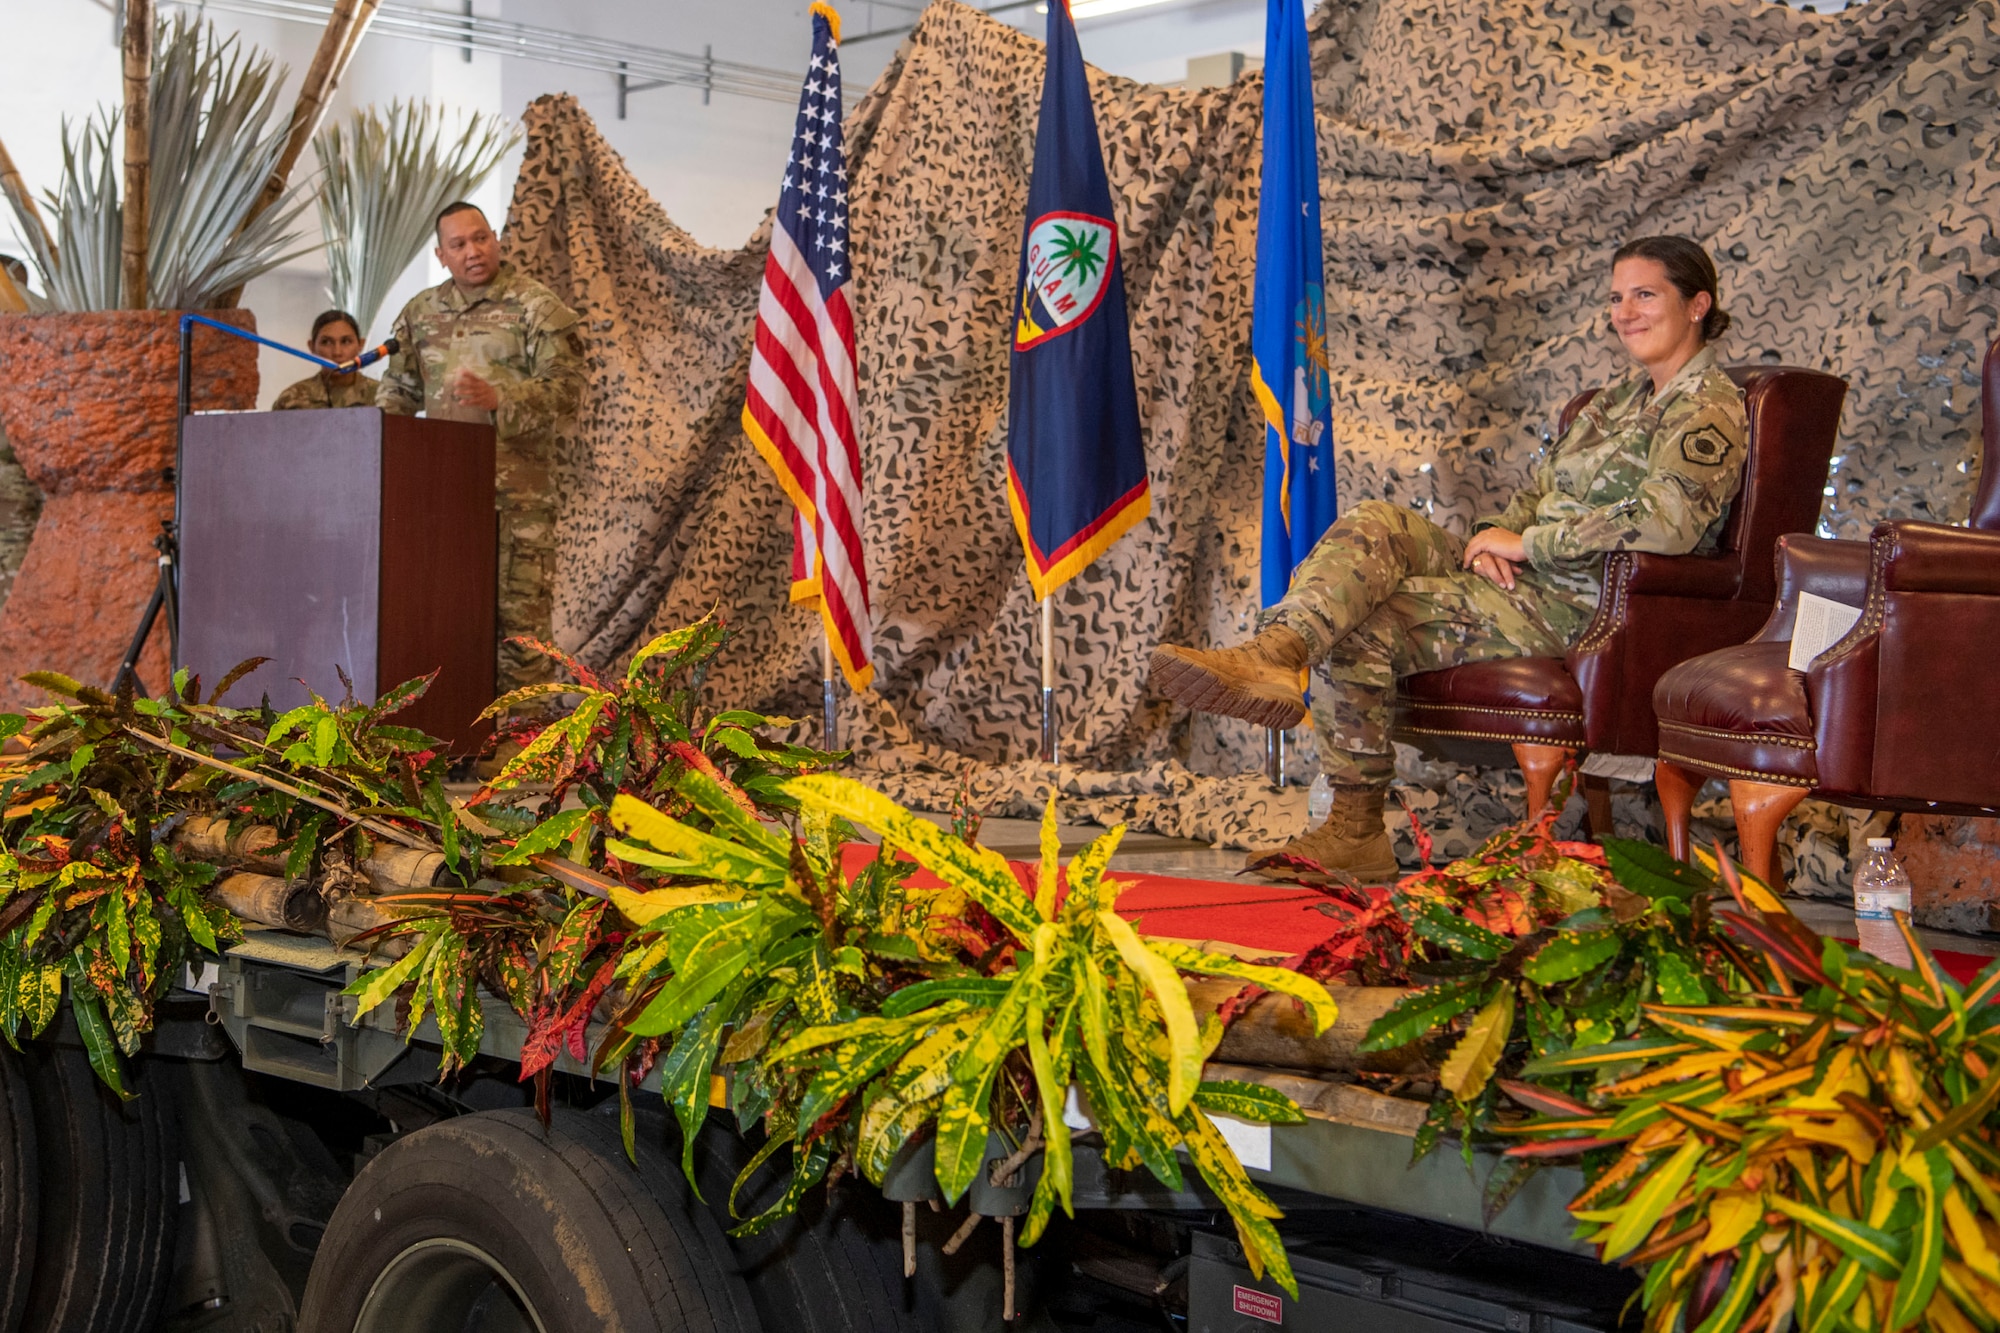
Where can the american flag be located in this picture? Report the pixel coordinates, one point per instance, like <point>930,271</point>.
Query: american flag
<point>802,412</point>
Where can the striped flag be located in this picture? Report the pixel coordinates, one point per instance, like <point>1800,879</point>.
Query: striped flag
<point>802,412</point>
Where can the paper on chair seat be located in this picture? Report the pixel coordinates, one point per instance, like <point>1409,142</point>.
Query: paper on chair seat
<point>1822,622</point>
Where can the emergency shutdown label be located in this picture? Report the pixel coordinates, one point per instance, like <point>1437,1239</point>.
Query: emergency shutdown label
<point>1259,1305</point>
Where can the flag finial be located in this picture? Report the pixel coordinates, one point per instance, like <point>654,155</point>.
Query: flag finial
<point>831,15</point>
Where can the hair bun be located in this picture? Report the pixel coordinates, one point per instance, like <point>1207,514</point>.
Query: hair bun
<point>1714,324</point>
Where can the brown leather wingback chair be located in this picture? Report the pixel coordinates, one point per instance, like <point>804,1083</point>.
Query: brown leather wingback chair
<point>1901,714</point>
<point>1656,610</point>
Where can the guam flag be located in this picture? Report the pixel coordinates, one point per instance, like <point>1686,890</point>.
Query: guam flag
<point>1076,468</point>
<point>1288,316</point>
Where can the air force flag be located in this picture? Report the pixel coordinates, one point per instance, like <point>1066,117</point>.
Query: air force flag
<point>1288,319</point>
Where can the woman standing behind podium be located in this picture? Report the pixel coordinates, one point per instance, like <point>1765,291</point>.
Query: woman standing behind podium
<point>336,336</point>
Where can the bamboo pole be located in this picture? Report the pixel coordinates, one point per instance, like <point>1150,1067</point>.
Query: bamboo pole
<point>344,30</point>
<point>11,300</point>
<point>345,27</point>
<point>207,838</point>
<point>138,147</point>
<point>375,826</point>
<point>355,31</point>
<point>1276,1032</point>
<point>17,190</point>
<point>270,900</point>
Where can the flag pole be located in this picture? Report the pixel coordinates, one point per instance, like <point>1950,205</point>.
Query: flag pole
<point>829,717</point>
<point>1274,756</point>
<point>1051,752</point>
<point>803,423</point>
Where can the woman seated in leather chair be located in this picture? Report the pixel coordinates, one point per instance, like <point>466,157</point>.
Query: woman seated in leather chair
<point>1651,464</point>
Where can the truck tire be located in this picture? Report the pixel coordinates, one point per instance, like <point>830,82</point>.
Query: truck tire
<point>834,1266</point>
<point>660,1177</point>
<point>110,1196</point>
<point>489,1224</point>
<point>20,1190</point>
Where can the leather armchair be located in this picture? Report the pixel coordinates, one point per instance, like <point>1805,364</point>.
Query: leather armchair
<point>1901,714</point>
<point>1656,610</point>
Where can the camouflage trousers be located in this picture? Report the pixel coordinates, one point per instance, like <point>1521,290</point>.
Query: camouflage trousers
<point>525,495</point>
<point>1382,596</point>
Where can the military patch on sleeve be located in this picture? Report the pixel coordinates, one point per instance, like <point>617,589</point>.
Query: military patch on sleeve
<point>1705,445</point>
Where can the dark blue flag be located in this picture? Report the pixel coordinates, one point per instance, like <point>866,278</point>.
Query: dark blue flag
<point>1076,466</point>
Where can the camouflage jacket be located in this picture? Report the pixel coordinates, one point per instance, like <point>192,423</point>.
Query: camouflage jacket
<point>1635,472</point>
<point>314,391</point>
<point>513,333</point>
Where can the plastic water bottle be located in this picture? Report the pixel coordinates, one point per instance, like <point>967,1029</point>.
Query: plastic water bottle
<point>1880,889</point>
<point>1319,802</point>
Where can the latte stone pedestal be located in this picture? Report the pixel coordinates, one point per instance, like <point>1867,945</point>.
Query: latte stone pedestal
<point>87,402</point>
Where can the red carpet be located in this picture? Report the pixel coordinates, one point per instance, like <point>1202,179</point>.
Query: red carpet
<point>1250,913</point>
<point>1254,914</point>
<point>1960,967</point>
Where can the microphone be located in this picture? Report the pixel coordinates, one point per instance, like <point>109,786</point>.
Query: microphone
<point>369,358</point>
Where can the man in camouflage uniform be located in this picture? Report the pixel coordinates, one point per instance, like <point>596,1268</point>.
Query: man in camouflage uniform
<point>336,337</point>
<point>492,345</point>
<point>1387,593</point>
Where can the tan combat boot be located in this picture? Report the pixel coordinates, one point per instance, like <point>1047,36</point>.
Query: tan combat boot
<point>1257,681</point>
<point>1352,839</point>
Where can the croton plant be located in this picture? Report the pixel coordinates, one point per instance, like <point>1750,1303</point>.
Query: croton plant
<point>1776,1129</point>
<point>1816,1151</point>
<point>680,875</point>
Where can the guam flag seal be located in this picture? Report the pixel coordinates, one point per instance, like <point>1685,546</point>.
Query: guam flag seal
<point>1076,463</point>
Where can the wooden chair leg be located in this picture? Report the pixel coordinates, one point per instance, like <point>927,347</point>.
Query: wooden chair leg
<point>1761,808</point>
<point>1597,793</point>
<point>1677,787</point>
<point>1539,764</point>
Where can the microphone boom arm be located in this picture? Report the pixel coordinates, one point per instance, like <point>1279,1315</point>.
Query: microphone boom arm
<point>369,358</point>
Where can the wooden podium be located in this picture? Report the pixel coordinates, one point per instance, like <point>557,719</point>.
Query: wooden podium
<point>348,537</point>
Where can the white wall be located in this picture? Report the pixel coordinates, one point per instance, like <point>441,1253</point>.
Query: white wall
<point>76,69</point>
<point>1155,44</point>
<point>714,167</point>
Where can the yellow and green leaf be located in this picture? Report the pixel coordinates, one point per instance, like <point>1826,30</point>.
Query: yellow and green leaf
<point>1879,1252</point>
<point>1477,1053</point>
<point>1314,996</point>
<point>1183,1036</point>
<point>979,871</point>
<point>1644,1206</point>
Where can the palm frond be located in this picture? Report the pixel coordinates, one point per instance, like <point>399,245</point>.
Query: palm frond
<point>385,176</point>
<point>217,134</point>
<point>214,102</point>
<point>89,224</point>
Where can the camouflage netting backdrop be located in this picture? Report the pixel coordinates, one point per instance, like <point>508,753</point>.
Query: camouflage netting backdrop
<point>1479,162</point>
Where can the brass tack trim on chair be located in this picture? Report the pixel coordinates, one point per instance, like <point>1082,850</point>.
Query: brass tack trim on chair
<point>1763,737</point>
<point>1730,770</point>
<point>1609,617</point>
<point>1492,736</point>
<point>1501,712</point>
